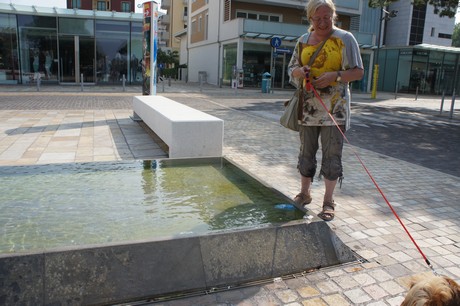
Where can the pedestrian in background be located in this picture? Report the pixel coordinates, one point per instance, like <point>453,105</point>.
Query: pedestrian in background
<point>338,63</point>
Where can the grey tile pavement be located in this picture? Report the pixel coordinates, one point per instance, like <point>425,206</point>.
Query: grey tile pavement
<point>65,124</point>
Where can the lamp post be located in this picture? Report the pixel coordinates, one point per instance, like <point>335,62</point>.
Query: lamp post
<point>388,16</point>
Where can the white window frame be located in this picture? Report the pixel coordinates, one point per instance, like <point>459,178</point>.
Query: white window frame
<point>258,13</point>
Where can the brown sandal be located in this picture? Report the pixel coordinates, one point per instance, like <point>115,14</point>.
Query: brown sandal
<point>302,199</point>
<point>328,211</point>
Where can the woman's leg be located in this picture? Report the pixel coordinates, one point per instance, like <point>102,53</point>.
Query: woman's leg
<point>331,167</point>
<point>307,162</point>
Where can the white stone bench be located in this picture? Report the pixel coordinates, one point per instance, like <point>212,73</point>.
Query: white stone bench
<point>187,132</point>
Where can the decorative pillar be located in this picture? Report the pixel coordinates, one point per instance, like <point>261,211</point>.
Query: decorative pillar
<point>150,47</point>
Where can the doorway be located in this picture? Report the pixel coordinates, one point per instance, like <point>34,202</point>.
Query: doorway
<point>76,59</point>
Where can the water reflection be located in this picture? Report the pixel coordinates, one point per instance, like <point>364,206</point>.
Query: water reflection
<point>73,204</point>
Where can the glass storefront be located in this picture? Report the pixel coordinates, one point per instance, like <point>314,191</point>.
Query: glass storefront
<point>256,61</point>
<point>112,51</point>
<point>76,50</point>
<point>37,48</point>
<point>229,64</point>
<point>67,50</point>
<point>422,70</point>
<point>9,58</point>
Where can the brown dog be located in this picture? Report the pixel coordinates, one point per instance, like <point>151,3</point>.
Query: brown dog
<point>433,291</point>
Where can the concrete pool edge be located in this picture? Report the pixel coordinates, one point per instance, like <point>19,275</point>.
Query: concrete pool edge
<point>119,273</point>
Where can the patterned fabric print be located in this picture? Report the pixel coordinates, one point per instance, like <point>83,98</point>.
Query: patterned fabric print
<point>334,96</point>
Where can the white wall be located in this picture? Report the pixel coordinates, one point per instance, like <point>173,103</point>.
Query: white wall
<point>205,58</point>
<point>398,28</point>
<point>443,25</point>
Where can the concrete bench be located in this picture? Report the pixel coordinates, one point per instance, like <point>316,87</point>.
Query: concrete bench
<point>187,132</point>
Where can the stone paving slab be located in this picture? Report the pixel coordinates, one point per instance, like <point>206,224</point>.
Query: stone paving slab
<point>63,125</point>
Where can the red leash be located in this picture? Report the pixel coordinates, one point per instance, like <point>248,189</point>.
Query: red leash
<point>309,87</point>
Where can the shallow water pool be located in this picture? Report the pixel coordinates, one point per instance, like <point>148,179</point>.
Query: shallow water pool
<point>48,206</point>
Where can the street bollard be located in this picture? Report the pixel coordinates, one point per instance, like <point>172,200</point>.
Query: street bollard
<point>442,101</point>
<point>416,93</point>
<point>169,81</point>
<point>396,92</point>
<point>452,105</point>
<point>124,82</point>
<point>38,81</point>
<point>81,81</point>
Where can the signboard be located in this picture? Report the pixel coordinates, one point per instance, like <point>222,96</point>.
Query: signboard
<point>150,46</point>
<point>283,50</point>
<point>275,42</point>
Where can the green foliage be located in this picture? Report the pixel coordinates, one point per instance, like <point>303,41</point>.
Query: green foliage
<point>169,58</point>
<point>380,3</point>
<point>170,72</point>
<point>456,36</point>
<point>442,8</point>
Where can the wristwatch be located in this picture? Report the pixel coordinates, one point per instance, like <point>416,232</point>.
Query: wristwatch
<point>339,76</point>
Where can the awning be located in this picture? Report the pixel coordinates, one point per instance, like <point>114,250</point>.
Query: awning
<point>268,36</point>
<point>437,48</point>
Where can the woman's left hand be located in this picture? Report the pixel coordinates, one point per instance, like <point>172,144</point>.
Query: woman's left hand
<point>325,79</point>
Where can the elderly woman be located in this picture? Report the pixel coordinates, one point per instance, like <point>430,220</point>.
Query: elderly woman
<point>337,63</point>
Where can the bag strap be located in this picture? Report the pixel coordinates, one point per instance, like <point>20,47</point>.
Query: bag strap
<point>313,57</point>
<point>310,62</point>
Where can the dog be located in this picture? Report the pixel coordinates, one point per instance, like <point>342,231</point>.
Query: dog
<point>433,291</point>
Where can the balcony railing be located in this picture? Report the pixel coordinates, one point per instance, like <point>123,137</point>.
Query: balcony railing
<point>240,27</point>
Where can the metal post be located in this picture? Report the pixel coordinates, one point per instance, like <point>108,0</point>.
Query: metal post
<point>81,81</point>
<point>416,93</point>
<point>169,81</point>
<point>38,81</point>
<point>124,81</point>
<point>396,92</point>
<point>376,59</point>
<point>442,101</point>
<point>452,105</point>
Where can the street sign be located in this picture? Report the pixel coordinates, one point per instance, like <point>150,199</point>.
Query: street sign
<point>283,50</point>
<point>275,42</point>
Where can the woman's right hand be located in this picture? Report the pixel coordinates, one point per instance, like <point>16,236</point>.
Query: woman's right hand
<point>299,72</point>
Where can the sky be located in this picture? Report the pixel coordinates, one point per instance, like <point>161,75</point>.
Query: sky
<point>62,3</point>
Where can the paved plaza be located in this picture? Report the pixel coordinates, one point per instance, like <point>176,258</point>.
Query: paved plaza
<point>410,147</point>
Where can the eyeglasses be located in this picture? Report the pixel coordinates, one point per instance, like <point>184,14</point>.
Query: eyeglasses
<point>325,18</point>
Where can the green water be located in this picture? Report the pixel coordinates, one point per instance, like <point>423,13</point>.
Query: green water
<point>49,206</point>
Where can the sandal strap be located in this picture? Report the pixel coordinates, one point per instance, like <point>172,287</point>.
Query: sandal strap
<point>328,207</point>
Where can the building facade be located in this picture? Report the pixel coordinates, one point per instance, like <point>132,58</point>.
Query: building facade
<point>126,6</point>
<point>416,54</point>
<point>230,40</point>
<point>223,42</point>
<point>174,21</point>
<point>69,46</point>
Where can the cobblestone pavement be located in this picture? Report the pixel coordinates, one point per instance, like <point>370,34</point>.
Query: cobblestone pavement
<point>409,146</point>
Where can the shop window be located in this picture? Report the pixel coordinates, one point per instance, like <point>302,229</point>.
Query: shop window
<point>9,68</point>
<point>112,54</point>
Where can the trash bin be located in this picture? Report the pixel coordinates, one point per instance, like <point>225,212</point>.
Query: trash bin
<point>266,82</point>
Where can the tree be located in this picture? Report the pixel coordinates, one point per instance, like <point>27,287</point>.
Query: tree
<point>456,36</point>
<point>442,8</point>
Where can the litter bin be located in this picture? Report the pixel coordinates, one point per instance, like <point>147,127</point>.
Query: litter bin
<point>266,82</point>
